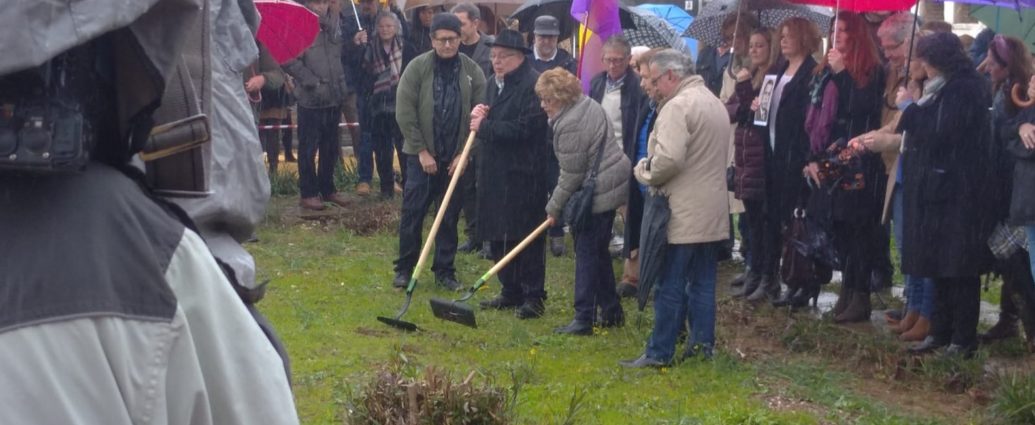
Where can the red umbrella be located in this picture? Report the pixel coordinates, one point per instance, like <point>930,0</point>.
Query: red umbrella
<point>287,28</point>
<point>862,5</point>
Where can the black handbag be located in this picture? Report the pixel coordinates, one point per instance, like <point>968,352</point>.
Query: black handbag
<point>579,208</point>
<point>799,268</point>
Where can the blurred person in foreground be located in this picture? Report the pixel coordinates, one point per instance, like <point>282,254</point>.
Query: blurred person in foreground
<point>139,323</point>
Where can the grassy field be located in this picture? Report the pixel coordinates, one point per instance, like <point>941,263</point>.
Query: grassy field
<point>331,277</point>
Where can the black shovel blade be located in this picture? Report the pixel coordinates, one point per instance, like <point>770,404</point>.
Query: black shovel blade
<point>453,311</point>
<point>398,324</point>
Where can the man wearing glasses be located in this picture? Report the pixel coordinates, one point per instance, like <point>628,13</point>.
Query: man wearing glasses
<point>618,90</point>
<point>435,93</point>
<point>512,186</point>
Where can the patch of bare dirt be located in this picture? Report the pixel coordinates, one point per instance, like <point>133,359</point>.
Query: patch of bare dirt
<point>364,216</point>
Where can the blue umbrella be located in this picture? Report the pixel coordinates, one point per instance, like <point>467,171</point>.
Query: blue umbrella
<point>675,16</point>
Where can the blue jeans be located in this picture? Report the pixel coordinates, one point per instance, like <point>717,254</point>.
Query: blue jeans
<point>1031,246</point>
<point>685,290</point>
<point>919,291</point>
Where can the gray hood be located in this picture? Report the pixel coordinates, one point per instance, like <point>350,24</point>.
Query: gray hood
<point>35,31</point>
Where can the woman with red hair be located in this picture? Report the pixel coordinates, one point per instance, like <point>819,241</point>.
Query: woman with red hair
<point>846,102</point>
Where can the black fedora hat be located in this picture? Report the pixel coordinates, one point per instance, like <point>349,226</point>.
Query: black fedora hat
<point>510,39</point>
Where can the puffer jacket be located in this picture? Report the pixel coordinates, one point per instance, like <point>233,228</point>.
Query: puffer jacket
<point>748,145</point>
<point>577,134</point>
<point>319,76</point>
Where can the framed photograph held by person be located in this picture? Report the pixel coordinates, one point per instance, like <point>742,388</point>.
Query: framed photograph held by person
<point>765,100</point>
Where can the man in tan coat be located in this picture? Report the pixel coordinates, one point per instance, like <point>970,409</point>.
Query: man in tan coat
<point>686,162</point>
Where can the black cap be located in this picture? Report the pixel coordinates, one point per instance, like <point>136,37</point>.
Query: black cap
<point>547,25</point>
<point>510,39</point>
<point>445,21</point>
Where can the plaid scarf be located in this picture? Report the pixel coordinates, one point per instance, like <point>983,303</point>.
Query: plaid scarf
<point>385,65</point>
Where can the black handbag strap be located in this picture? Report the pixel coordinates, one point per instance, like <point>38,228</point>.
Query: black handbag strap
<point>600,158</point>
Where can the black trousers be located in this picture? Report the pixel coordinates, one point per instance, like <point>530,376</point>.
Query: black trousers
<point>858,245</point>
<point>957,304</point>
<point>764,238</point>
<point>469,185</point>
<point>386,139</point>
<point>1018,293</point>
<point>420,190</point>
<point>594,276</point>
<point>271,142</point>
<point>318,132</point>
<point>524,278</point>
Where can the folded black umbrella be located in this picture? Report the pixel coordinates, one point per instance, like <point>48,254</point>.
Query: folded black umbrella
<point>653,243</point>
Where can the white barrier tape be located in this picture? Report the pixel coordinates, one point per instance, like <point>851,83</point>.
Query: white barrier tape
<point>284,127</point>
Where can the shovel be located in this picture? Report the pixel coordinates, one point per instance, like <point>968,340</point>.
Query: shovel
<point>459,312</point>
<point>396,322</point>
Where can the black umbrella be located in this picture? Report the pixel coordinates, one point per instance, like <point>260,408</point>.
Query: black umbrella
<point>653,243</point>
<point>560,9</point>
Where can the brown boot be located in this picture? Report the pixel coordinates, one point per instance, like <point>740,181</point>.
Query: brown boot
<point>906,323</point>
<point>918,332</point>
<point>311,204</point>
<point>843,298</point>
<point>858,309</point>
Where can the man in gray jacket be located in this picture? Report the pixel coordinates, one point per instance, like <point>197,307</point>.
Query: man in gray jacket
<point>433,103</point>
<point>320,79</point>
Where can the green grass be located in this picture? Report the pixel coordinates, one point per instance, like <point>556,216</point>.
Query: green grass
<point>329,285</point>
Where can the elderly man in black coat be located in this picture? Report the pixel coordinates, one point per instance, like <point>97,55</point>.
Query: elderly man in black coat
<point>512,135</point>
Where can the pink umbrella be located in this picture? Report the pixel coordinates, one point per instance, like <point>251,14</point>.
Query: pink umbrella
<point>287,28</point>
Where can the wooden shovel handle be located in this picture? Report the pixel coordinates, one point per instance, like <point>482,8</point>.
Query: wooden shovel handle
<point>443,205</point>
<point>517,250</point>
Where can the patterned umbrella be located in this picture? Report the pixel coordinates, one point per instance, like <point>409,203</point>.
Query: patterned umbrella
<point>652,31</point>
<point>706,28</point>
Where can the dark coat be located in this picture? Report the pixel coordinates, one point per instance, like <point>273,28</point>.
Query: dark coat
<point>319,78</point>
<point>748,144</point>
<point>514,146</point>
<point>562,59</point>
<point>1022,200</point>
<point>632,98</point>
<point>634,206</point>
<point>786,158</point>
<point>947,216</point>
<point>859,111</point>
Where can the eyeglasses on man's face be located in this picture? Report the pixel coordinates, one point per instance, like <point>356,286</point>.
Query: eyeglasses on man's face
<point>502,57</point>
<point>447,41</point>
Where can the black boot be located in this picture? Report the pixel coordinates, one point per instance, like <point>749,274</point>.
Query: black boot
<point>787,297</point>
<point>843,298</point>
<point>768,289</point>
<point>751,283</point>
<point>858,310</point>
<point>1005,328</point>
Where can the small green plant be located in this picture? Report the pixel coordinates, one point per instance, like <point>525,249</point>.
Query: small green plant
<point>284,183</point>
<point>1014,401</point>
<point>578,401</point>
<point>956,373</point>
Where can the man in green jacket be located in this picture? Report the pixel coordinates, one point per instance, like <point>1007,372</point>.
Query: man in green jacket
<point>435,96</point>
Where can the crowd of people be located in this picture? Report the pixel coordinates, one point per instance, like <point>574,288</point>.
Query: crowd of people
<point>896,131</point>
<point>849,148</point>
